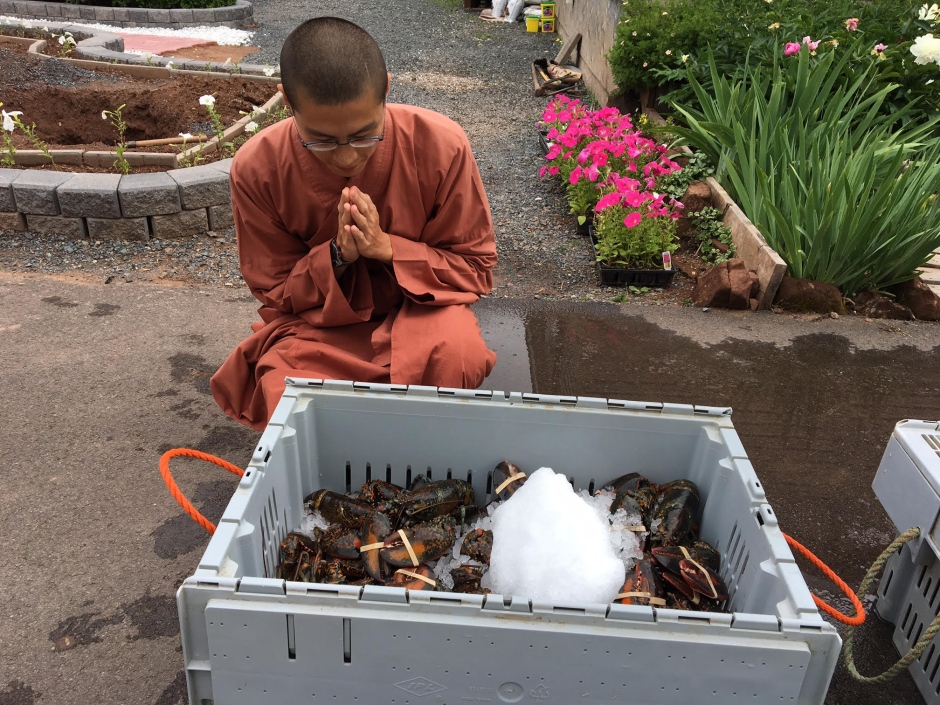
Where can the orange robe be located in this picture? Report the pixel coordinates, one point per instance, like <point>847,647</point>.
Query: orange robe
<point>405,323</point>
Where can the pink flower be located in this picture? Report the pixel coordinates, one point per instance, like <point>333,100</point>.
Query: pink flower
<point>553,170</point>
<point>880,47</point>
<point>632,220</point>
<point>810,43</point>
<point>592,172</point>
<point>634,199</point>
<point>792,48</point>
<point>851,24</point>
<point>575,176</point>
<point>607,200</point>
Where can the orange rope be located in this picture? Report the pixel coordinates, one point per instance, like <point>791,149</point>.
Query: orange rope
<point>859,617</point>
<point>175,491</point>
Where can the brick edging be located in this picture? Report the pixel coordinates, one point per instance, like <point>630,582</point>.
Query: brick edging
<point>164,205</point>
<point>239,15</point>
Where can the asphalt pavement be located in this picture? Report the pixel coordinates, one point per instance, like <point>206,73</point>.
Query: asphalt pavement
<point>99,380</point>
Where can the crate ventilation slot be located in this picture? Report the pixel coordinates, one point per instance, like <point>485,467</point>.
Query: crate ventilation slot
<point>933,442</point>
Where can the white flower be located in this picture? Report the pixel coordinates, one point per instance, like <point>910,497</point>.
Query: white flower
<point>268,71</point>
<point>207,100</point>
<point>227,61</point>
<point>8,123</point>
<point>169,65</point>
<point>251,126</point>
<point>26,24</point>
<point>928,13</point>
<point>45,29</point>
<point>685,57</point>
<point>104,114</point>
<point>668,52</point>
<point>926,49</point>
<point>62,39</point>
<point>186,136</point>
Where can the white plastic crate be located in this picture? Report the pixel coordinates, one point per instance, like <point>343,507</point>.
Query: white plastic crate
<point>908,485</point>
<point>250,638</point>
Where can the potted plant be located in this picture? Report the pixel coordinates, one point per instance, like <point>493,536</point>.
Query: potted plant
<point>589,149</point>
<point>634,235</point>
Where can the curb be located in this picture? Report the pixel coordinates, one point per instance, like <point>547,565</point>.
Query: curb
<point>238,16</point>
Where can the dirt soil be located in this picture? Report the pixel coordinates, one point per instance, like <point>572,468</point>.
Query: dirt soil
<point>214,52</point>
<point>67,111</point>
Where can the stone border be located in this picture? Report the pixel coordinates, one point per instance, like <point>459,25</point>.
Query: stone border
<point>164,205</point>
<point>749,244</point>
<point>238,16</point>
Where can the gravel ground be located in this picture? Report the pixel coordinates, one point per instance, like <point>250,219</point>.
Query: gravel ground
<point>442,58</point>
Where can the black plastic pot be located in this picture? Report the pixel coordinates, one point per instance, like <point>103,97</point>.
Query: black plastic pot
<point>621,276</point>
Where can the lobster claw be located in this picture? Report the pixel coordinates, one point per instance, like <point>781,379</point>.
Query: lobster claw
<point>703,580</point>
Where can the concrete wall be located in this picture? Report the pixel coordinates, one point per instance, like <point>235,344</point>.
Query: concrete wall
<point>595,21</point>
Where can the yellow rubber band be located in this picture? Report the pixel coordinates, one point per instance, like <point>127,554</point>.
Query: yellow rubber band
<point>410,574</point>
<point>509,480</point>
<point>647,595</point>
<point>372,546</point>
<point>411,551</point>
<point>698,565</point>
<point>635,528</point>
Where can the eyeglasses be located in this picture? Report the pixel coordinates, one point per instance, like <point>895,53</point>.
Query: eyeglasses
<point>357,142</point>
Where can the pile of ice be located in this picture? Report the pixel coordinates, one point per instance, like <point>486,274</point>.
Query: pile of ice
<point>551,545</point>
<point>625,531</point>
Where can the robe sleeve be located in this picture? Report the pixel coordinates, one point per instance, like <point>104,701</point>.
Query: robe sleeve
<point>282,271</point>
<point>452,262</point>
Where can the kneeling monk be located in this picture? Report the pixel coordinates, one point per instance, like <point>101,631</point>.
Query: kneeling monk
<point>363,229</point>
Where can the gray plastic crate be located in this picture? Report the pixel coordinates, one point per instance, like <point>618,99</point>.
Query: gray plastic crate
<point>908,485</point>
<point>249,638</point>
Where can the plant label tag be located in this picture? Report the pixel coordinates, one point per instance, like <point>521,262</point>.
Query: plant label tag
<point>667,260</point>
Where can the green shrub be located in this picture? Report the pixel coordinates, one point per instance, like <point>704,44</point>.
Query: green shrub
<point>837,189</point>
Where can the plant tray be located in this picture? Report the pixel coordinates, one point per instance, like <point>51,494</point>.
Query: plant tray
<point>250,638</point>
<point>621,276</point>
<point>543,140</point>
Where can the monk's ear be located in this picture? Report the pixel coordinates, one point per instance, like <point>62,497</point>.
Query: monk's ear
<point>280,87</point>
<point>388,86</point>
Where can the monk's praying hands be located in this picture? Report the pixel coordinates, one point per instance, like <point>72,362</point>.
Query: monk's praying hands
<point>365,228</point>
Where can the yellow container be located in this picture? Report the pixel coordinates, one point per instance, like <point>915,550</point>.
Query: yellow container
<point>532,24</point>
<point>548,10</point>
<point>548,25</point>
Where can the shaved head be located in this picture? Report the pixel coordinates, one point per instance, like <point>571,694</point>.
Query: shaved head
<point>331,61</point>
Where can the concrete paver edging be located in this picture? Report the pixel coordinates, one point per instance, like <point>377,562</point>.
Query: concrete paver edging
<point>239,15</point>
<point>164,205</point>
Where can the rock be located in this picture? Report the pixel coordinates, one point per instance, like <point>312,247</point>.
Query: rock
<point>919,298</point>
<point>727,285</point>
<point>807,296</point>
<point>874,305</point>
<point>696,197</point>
<point>833,315</point>
<point>713,288</point>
